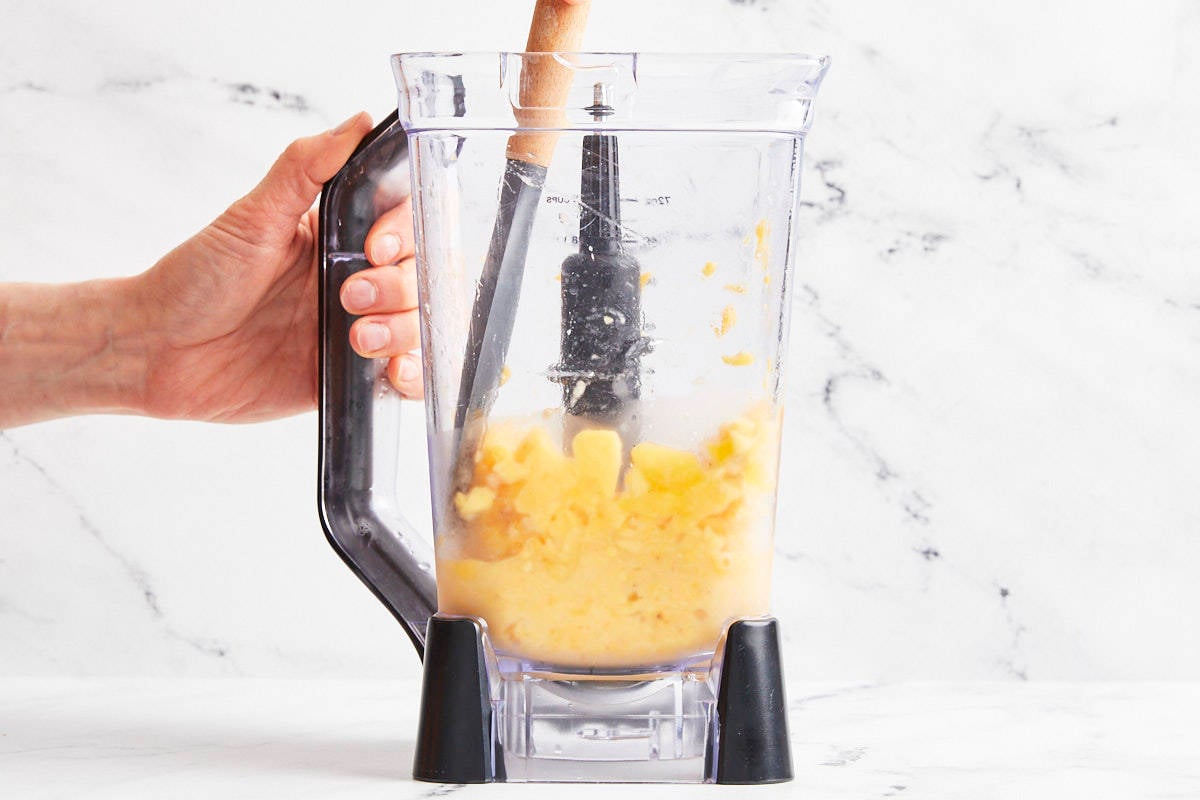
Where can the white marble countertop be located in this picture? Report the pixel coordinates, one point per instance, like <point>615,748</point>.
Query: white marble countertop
<point>99,738</point>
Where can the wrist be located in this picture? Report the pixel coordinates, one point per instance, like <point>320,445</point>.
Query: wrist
<point>117,379</point>
<point>70,349</point>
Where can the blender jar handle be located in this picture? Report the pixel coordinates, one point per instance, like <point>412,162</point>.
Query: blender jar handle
<point>359,414</point>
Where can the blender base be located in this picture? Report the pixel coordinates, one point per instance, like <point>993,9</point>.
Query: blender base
<point>720,721</point>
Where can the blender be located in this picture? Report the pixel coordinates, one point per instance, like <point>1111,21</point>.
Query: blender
<point>604,294</point>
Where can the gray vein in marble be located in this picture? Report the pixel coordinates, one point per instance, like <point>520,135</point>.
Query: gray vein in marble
<point>1013,660</point>
<point>1118,275</point>
<point>817,14</point>
<point>1006,142</point>
<point>834,202</point>
<point>266,97</point>
<point>240,92</point>
<point>26,86</point>
<point>1001,168</point>
<point>859,370</point>
<point>1034,140</point>
<point>1182,306</point>
<point>928,242</point>
<point>1002,171</point>
<point>826,565</point>
<point>916,507</point>
<point>883,471</point>
<point>844,757</point>
<point>135,573</point>
<point>8,608</point>
<point>914,504</point>
<point>130,84</point>
<point>1093,266</point>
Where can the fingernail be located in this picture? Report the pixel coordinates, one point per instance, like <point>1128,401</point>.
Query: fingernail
<point>386,249</point>
<point>408,370</point>
<point>347,125</point>
<point>359,295</point>
<point>374,337</point>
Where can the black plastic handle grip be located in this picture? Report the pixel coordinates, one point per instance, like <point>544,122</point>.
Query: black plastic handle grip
<point>357,409</point>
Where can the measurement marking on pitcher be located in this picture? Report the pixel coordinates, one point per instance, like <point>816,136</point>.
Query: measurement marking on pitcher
<point>569,200</point>
<point>631,238</point>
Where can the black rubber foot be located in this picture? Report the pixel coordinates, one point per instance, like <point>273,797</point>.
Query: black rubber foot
<point>455,743</point>
<point>752,742</point>
<point>454,737</point>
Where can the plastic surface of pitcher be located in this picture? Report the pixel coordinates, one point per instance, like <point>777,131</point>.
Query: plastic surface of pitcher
<point>604,295</point>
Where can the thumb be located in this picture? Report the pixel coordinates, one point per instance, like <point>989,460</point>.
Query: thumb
<point>294,181</point>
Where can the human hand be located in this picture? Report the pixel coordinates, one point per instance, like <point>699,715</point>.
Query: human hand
<point>230,316</point>
<point>385,298</point>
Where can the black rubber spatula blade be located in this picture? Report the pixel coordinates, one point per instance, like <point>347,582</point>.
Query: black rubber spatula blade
<point>495,309</point>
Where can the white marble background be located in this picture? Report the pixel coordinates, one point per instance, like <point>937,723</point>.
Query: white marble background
<point>994,404</point>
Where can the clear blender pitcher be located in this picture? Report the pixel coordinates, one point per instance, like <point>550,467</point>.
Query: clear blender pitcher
<point>604,246</point>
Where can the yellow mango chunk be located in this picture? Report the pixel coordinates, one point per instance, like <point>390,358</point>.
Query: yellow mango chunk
<point>475,502</point>
<point>709,269</point>
<point>666,467</point>
<point>597,460</point>
<point>739,359</point>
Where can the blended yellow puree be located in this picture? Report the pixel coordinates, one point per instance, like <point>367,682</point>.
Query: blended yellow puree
<point>572,565</point>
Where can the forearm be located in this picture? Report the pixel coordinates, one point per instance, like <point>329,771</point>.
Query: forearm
<point>69,349</point>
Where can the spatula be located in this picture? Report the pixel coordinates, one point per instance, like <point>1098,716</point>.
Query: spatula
<point>544,81</point>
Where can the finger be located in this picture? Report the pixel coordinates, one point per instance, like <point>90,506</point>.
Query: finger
<point>294,181</point>
<point>391,237</point>
<point>381,290</point>
<point>381,335</point>
<point>404,372</point>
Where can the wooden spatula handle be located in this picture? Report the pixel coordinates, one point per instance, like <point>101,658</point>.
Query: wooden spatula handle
<point>556,26</point>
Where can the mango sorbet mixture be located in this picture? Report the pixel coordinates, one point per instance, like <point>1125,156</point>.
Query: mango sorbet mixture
<point>571,564</point>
